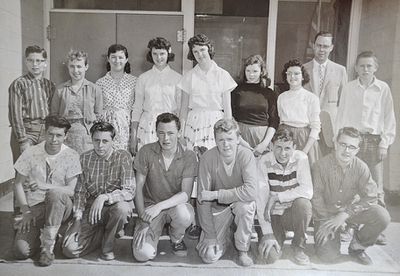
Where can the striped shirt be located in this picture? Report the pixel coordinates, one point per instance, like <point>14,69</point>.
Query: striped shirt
<point>113,176</point>
<point>29,99</point>
<point>290,182</point>
<point>336,190</point>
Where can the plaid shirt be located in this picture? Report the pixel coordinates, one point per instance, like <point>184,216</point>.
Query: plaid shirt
<point>113,176</point>
<point>29,99</point>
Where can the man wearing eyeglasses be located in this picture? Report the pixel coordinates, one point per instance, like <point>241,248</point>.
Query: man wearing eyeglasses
<point>28,105</point>
<point>327,79</point>
<point>345,193</point>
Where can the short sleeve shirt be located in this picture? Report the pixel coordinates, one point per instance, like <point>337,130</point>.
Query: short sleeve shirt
<point>161,183</point>
<point>205,89</point>
<point>43,168</point>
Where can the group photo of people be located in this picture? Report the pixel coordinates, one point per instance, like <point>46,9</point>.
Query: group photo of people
<point>201,156</point>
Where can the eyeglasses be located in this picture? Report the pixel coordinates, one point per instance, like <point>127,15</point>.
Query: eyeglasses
<point>33,61</point>
<point>324,47</point>
<point>296,74</point>
<point>351,148</point>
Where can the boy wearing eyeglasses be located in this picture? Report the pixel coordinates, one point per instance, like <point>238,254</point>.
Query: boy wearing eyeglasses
<point>345,193</point>
<point>29,99</point>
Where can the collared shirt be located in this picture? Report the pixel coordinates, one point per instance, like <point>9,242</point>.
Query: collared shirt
<point>162,183</point>
<point>240,186</point>
<point>112,175</point>
<point>351,190</point>
<point>206,89</point>
<point>86,103</point>
<point>290,182</point>
<point>368,109</point>
<point>43,168</point>
<point>29,99</point>
<point>156,91</point>
<point>300,108</point>
<point>316,75</point>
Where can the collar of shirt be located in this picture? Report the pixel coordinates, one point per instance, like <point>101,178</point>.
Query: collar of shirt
<point>31,78</point>
<point>213,67</point>
<point>316,64</point>
<point>336,163</point>
<point>157,149</point>
<point>69,83</point>
<point>163,71</point>
<point>291,161</point>
<point>106,158</point>
<point>375,83</point>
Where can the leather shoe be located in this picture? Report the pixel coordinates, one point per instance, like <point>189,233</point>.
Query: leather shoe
<point>300,257</point>
<point>360,256</point>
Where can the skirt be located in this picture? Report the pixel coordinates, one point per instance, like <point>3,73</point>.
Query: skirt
<point>78,138</point>
<point>252,134</point>
<point>121,120</point>
<point>199,129</point>
<point>300,136</point>
<point>146,132</point>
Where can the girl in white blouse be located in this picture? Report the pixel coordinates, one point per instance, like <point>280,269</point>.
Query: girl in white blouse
<point>299,109</point>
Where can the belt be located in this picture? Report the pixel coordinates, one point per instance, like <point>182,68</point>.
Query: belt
<point>35,121</point>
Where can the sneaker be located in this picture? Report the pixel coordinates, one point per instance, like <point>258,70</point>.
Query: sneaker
<point>109,256</point>
<point>46,258</point>
<point>194,232</point>
<point>300,257</point>
<point>381,240</point>
<point>360,256</point>
<point>244,259</point>
<point>179,248</point>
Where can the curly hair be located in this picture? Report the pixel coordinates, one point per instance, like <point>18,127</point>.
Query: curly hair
<point>200,40</point>
<point>257,59</point>
<point>115,48</point>
<point>226,125</point>
<point>295,63</point>
<point>159,43</point>
<point>78,55</point>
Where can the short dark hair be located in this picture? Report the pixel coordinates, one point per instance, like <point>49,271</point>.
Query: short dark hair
<point>226,125</point>
<point>115,48</point>
<point>159,43</point>
<point>257,59</point>
<point>104,127</point>
<point>367,54</point>
<point>200,40</point>
<point>324,34</point>
<point>167,118</point>
<point>57,121</point>
<point>35,49</point>
<point>351,132</point>
<point>295,63</point>
<point>283,134</point>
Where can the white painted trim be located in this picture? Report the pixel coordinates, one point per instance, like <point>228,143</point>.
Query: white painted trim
<point>188,25</point>
<point>47,6</point>
<point>354,36</point>
<point>271,39</point>
<point>118,11</point>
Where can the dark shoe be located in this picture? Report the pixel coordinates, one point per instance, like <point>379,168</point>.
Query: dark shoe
<point>194,232</point>
<point>179,249</point>
<point>381,240</point>
<point>109,256</point>
<point>244,259</point>
<point>300,257</point>
<point>360,256</point>
<point>46,258</point>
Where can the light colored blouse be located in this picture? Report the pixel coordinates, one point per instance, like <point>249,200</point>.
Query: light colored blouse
<point>300,108</point>
<point>206,89</point>
<point>156,91</point>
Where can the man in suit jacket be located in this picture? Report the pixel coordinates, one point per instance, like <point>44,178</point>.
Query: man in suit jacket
<point>327,79</point>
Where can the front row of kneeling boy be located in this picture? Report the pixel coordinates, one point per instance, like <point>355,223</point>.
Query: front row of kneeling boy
<point>98,190</point>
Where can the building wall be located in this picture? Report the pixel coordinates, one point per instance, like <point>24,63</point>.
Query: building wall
<point>380,32</point>
<point>10,68</point>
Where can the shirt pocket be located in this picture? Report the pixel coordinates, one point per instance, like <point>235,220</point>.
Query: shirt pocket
<point>332,90</point>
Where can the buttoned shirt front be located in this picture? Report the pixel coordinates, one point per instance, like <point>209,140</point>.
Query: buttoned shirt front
<point>351,190</point>
<point>29,99</point>
<point>112,175</point>
<point>162,183</point>
<point>368,109</point>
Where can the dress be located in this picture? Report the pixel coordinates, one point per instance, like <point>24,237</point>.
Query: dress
<point>118,99</point>
<point>299,111</point>
<point>205,90</point>
<point>155,93</point>
<point>254,108</point>
<point>81,109</point>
